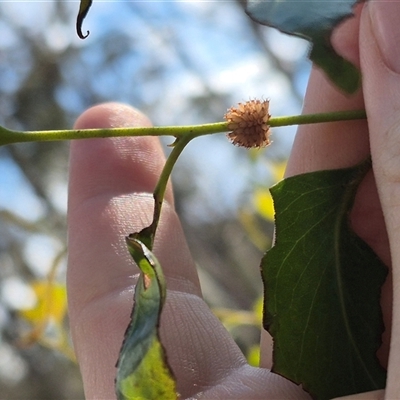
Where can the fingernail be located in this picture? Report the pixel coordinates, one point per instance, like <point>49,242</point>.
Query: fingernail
<point>385,16</point>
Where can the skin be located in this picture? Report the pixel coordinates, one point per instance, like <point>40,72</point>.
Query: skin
<point>110,185</point>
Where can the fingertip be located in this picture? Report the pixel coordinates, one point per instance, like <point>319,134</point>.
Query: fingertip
<point>118,165</point>
<point>345,40</point>
<point>111,115</point>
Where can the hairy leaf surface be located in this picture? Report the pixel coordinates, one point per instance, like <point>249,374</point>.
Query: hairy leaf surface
<point>143,371</point>
<point>322,288</point>
<point>313,20</point>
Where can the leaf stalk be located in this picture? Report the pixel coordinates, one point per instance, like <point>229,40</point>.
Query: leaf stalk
<point>147,234</point>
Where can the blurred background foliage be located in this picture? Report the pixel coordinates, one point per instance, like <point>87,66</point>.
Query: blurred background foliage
<point>179,62</point>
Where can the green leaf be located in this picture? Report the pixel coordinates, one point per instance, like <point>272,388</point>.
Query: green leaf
<point>322,288</point>
<point>143,371</point>
<point>83,10</point>
<point>314,21</point>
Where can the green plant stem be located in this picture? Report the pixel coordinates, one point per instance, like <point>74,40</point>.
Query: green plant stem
<point>161,186</point>
<point>317,118</point>
<point>9,136</point>
<point>147,234</point>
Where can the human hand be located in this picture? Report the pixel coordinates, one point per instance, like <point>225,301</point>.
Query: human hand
<point>111,181</point>
<point>370,41</point>
<point>110,185</point>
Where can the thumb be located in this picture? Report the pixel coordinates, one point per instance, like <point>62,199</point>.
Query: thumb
<point>380,64</point>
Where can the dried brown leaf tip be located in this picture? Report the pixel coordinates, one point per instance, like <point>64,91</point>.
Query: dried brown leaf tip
<point>249,124</point>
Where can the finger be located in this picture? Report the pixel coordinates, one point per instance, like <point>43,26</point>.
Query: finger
<point>103,174</point>
<point>330,145</point>
<point>380,61</point>
<point>110,182</point>
<point>345,37</point>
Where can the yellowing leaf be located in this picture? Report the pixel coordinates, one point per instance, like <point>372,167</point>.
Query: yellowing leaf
<point>264,204</point>
<point>253,356</point>
<point>255,233</point>
<point>150,380</point>
<point>143,371</point>
<point>258,307</point>
<point>262,199</point>
<point>231,318</point>
<point>51,303</point>
<point>47,318</point>
<point>278,170</point>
